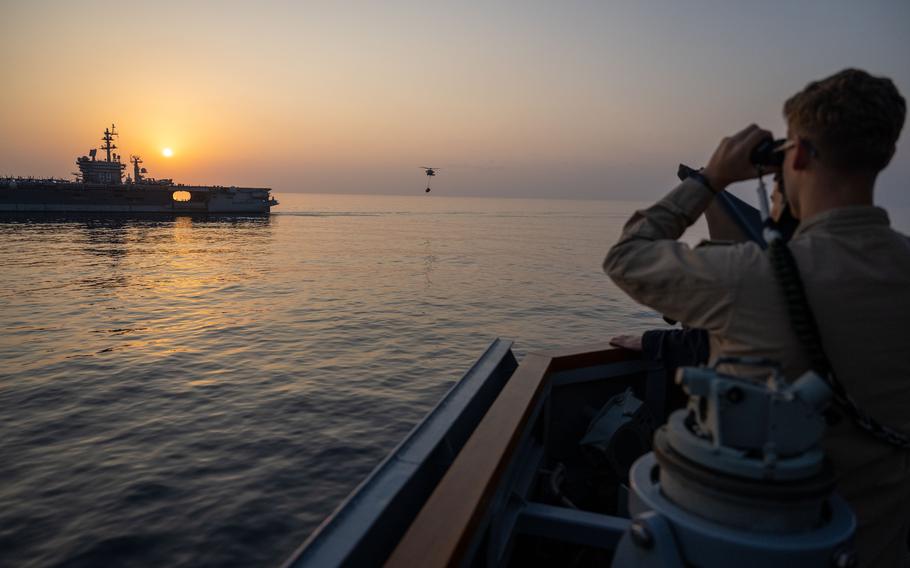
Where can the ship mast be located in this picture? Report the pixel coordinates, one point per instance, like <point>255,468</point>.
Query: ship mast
<point>137,172</point>
<point>108,140</point>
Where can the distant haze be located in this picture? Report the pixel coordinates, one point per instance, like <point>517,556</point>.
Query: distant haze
<point>532,99</point>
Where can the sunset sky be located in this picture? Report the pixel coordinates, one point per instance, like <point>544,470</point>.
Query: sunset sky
<point>537,99</point>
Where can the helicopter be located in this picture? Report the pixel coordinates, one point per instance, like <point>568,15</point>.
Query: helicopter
<point>430,173</point>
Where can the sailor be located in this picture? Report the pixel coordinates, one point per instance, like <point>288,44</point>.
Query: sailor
<point>855,271</point>
<point>686,347</point>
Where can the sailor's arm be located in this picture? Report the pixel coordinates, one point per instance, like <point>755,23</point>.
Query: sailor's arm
<point>689,285</point>
<point>695,286</point>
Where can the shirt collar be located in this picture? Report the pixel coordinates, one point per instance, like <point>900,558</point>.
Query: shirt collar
<point>846,217</point>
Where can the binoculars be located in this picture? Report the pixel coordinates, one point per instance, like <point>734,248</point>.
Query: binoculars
<point>768,153</point>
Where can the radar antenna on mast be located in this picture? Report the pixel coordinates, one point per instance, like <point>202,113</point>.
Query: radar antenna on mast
<point>137,173</point>
<point>108,140</point>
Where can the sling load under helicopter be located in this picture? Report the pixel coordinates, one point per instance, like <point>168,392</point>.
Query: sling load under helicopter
<point>431,172</point>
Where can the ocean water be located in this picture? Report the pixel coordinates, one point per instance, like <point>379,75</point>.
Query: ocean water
<point>203,392</point>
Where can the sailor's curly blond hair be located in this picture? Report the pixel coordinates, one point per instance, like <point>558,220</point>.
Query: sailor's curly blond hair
<point>853,119</point>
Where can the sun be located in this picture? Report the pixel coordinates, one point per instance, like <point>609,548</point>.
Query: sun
<point>167,152</point>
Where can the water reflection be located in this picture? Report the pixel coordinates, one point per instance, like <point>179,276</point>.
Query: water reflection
<point>122,219</point>
<point>105,238</point>
<point>248,372</point>
<point>180,252</point>
<point>429,262</point>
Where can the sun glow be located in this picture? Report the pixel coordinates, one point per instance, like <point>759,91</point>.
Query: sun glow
<point>167,152</point>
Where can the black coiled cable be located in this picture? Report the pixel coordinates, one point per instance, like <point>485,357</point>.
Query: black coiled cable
<point>806,329</point>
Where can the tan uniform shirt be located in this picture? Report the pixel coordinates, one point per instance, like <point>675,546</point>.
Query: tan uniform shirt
<point>856,272</point>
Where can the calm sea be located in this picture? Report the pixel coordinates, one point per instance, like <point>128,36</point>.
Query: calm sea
<point>192,392</point>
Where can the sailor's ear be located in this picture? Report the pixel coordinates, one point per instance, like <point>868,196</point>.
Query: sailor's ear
<point>802,155</point>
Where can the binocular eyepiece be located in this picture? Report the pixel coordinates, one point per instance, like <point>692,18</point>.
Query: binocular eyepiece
<point>768,153</point>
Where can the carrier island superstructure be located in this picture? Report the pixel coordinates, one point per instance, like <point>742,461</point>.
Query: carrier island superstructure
<point>99,187</point>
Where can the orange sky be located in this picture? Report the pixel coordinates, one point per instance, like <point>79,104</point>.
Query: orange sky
<point>539,99</point>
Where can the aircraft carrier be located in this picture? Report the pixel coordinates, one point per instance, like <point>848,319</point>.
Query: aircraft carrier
<point>99,187</point>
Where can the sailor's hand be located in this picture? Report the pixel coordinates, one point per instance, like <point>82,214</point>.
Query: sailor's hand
<point>632,342</point>
<point>730,162</point>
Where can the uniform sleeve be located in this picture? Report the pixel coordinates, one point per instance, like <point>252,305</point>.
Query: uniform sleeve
<point>693,286</point>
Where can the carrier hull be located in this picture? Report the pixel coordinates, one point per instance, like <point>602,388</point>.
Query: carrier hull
<point>62,197</point>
